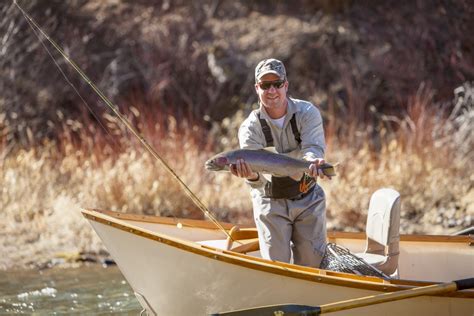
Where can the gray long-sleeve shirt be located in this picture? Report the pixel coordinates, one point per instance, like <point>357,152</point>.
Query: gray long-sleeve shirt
<point>310,126</point>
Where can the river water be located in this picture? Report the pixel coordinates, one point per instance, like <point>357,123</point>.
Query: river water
<point>85,291</point>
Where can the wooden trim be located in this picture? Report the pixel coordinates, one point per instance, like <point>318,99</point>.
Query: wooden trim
<point>285,269</point>
<point>412,238</point>
<point>250,231</point>
<point>253,245</point>
<point>245,233</point>
<point>163,220</point>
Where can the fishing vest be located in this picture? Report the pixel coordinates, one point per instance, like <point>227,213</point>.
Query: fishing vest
<point>286,187</point>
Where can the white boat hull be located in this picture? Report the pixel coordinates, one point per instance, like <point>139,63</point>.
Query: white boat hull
<point>186,278</point>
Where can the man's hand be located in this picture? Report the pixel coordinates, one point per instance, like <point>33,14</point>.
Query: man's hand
<point>315,171</point>
<point>242,169</point>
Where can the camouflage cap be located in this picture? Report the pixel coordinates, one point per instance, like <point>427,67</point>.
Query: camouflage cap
<point>270,66</point>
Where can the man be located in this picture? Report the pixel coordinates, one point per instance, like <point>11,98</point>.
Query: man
<point>285,210</point>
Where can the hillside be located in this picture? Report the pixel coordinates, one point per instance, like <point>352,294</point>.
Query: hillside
<point>197,58</point>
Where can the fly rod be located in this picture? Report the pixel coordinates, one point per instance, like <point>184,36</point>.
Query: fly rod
<point>114,108</point>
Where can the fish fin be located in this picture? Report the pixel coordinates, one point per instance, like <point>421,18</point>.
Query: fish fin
<point>271,149</point>
<point>292,154</point>
<point>329,169</point>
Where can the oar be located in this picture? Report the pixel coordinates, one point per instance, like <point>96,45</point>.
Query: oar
<point>292,309</point>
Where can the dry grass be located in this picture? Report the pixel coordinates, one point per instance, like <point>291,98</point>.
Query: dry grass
<point>45,187</point>
<point>427,156</point>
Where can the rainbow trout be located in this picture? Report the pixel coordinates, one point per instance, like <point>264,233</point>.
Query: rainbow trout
<point>264,161</point>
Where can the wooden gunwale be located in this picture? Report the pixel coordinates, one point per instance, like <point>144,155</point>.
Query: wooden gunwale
<point>330,234</point>
<point>163,220</point>
<point>305,273</point>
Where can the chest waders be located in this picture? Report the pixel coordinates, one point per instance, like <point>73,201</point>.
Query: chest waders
<point>286,187</point>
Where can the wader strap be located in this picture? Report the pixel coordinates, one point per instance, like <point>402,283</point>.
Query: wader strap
<point>266,130</point>
<point>294,128</point>
<point>268,133</point>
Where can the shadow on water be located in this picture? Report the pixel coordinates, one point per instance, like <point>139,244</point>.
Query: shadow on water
<point>85,290</point>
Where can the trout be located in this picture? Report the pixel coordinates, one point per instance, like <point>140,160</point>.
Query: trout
<point>264,161</point>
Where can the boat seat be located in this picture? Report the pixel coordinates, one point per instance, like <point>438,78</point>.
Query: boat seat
<point>372,259</point>
<point>236,233</point>
<point>383,231</point>
<point>241,240</point>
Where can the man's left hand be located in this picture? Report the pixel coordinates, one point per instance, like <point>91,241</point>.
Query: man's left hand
<point>315,170</point>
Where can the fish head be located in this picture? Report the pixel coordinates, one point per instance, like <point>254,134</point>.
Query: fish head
<point>217,163</point>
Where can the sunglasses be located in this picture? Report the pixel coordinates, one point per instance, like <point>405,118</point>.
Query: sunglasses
<point>265,85</point>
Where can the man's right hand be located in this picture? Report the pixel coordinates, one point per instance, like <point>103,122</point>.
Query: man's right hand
<point>242,169</point>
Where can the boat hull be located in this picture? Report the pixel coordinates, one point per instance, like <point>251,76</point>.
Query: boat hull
<point>184,278</point>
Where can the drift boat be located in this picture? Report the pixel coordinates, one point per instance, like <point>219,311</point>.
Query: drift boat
<point>190,267</point>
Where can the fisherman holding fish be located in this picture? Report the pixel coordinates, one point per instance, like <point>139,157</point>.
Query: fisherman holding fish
<point>286,208</point>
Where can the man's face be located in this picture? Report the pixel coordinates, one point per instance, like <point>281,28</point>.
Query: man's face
<point>268,92</point>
